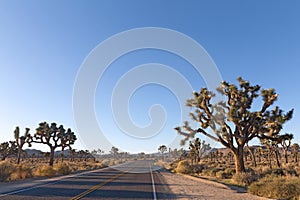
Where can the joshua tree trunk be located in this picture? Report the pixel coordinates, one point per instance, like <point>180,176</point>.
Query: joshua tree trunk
<point>51,156</point>
<point>269,160</point>
<point>286,156</point>
<point>239,160</point>
<point>277,158</point>
<point>19,155</point>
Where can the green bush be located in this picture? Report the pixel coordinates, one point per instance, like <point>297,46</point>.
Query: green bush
<point>183,167</point>
<point>276,187</point>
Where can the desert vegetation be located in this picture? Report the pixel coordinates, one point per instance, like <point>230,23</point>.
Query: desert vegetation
<point>17,163</point>
<point>256,154</point>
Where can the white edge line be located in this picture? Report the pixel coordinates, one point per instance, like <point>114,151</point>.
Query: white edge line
<point>153,184</point>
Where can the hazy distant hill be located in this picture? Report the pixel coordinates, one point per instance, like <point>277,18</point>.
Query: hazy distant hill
<point>39,152</point>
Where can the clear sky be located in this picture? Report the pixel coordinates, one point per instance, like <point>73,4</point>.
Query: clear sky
<point>44,43</point>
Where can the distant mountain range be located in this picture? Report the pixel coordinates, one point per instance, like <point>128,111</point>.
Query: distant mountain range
<point>36,152</point>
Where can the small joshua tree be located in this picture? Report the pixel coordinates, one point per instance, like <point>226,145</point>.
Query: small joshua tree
<point>21,141</point>
<point>286,143</point>
<point>162,149</point>
<point>295,152</point>
<point>7,149</point>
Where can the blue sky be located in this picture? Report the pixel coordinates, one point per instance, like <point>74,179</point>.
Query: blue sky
<point>43,44</point>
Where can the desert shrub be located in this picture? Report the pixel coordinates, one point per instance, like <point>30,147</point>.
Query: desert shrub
<point>276,187</point>
<point>105,162</point>
<point>173,165</point>
<point>6,169</point>
<point>212,171</point>
<point>290,172</point>
<point>62,168</point>
<point>45,170</point>
<point>244,179</point>
<point>21,172</point>
<point>96,166</point>
<point>198,168</point>
<point>183,167</point>
<point>230,171</point>
<point>116,162</point>
<point>221,175</point>
<point>273,172</point>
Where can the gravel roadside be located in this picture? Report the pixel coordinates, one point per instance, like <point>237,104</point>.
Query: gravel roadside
<point>187,187</point>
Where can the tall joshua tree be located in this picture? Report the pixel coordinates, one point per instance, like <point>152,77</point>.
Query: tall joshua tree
<point>21,140</point>
<point>54,137</point>
<point>233,122</point>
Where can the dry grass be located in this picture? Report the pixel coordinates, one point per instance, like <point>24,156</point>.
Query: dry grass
<point>6,169</point>
<point>9,171</point>
<point>45,170</point>
<point>21,172</point>
<point>276,187</point>
<point>62,169</point>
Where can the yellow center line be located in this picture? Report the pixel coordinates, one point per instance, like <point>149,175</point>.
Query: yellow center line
<point>96,187</point>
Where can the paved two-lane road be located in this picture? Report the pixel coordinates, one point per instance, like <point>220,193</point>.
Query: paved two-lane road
<point>131,180</point>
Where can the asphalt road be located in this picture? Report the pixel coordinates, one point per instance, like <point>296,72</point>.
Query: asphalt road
<point>131,180</point>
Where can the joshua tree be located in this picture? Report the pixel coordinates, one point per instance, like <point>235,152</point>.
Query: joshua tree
<point>96,153</point>
<point>162,149</point>
<point>21,140</point>
<point>295,148</point>
<point>72,154</point>
<point>194,150</point>
<point>7,149</point>
<point>233,122</point>
<point>114,151</point>
<point>230,156</point>
<point>197,149</point>
<point>258,152</point>
<point>269,150</point>
<point>286,143</point>
<point>84,154</point>
<point>54,137</point>
<point>276,152</point>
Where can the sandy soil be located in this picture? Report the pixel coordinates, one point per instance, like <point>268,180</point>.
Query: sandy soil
<point>187,187</point>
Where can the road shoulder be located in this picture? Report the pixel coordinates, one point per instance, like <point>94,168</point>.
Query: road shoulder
<point>187,187</point>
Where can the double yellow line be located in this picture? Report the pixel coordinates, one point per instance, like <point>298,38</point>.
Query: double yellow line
<point>96,187</point>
